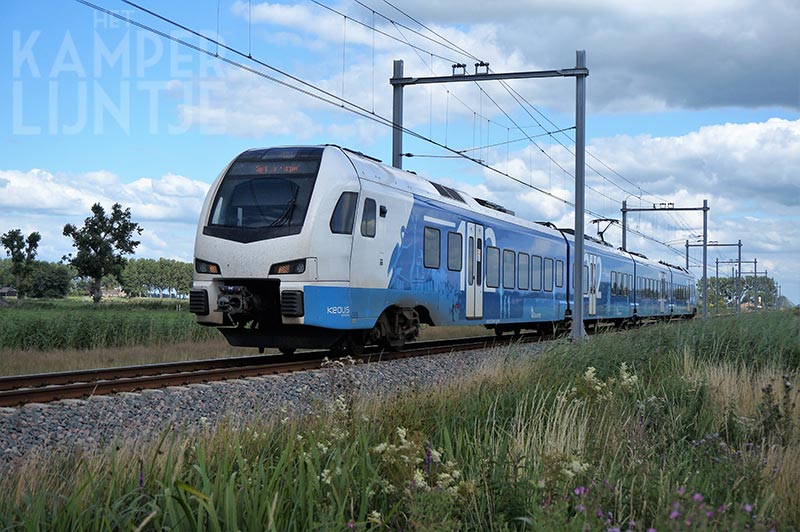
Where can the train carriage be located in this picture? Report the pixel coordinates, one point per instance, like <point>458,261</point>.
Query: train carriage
<point>324,247</point>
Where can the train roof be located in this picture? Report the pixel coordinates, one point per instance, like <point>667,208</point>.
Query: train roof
<point>373,169</point>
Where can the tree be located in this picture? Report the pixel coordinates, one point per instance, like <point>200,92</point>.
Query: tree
<point>49,279</point>
<point>726,292</point>
<point>22,252</point>
<point>136,277</point>
<point>102,244</point>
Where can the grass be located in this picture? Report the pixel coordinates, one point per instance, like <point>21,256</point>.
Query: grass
<point>674,426</point>
<point>71,334</point>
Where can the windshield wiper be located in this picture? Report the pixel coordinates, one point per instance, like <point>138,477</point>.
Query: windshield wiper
<point>286,216</point>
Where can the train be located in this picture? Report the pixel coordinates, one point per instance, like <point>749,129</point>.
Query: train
<point>325,247</point>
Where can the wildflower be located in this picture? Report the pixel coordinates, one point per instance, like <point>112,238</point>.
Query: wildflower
<point>375,517</point>
<point>580,508</point>
<point>141,475</point>
<point>436,456</point>
<point>580,490</point>
<point>681,490</point>
<point>351,524</point>
<point>325,477</point>
<point>419,479</point>
<point>674,514</point>
<point>697,497</point>
<point>379,448</point>
<point>748,508</point>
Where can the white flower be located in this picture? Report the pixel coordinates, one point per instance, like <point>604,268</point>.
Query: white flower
<point>419,479</point>
<point>379,448</point>
<point>325,477</point>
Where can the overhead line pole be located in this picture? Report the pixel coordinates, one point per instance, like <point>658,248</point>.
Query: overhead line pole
<point>717,244</point>
<point>671,207</point>
<point>579,73</point>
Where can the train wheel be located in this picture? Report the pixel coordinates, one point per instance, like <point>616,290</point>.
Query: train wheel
<point>395,326</point>
<point>356,341</point>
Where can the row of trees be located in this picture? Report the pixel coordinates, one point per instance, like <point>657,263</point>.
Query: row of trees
<point>755,292</point>
<point>101,246</point>
<point>142,277</point>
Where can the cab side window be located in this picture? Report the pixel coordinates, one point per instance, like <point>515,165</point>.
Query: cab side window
<point>368,218</point>
<point>344,214</point>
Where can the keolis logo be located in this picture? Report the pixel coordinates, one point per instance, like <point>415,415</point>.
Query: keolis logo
<point>340,311</point>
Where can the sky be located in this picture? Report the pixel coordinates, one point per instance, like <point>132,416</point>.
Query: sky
<point>686,102</point>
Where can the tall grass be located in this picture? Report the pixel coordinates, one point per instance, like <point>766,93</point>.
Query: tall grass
<point>45,326</point>
<point>669,427</point>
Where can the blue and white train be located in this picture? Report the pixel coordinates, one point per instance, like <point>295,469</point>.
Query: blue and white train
<point>323,247</point>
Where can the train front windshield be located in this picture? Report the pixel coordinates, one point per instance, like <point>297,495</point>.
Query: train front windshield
<point>265,194</point>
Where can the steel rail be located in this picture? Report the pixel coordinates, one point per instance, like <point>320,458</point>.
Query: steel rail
<point>46,387</point>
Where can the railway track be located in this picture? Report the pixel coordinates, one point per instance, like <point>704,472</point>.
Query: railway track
<point>17,390</point>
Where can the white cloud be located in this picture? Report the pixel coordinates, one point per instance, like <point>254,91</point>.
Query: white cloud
<point>167,207</point>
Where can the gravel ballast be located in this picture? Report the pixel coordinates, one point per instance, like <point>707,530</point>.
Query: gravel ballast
<point>101,420</point>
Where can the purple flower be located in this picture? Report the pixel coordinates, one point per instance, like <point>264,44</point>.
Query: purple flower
<point>580,508</point>
<point>651,529</point>
<point>428,457</point>
<point>141,475</point>
<point>748,508</point>
<point>580,490</point>
<point>674,514</point>
<point>600,513</point>
<point>697,497</point>
<point>351,524</point>
<point>681,490</point>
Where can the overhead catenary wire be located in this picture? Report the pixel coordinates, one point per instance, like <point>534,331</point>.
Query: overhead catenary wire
<point>324,96</point>
<point>304,87</point>
<point>452,46</point>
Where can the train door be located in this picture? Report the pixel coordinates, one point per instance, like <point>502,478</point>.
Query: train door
<point>474,243</point>
<point>594,283</point>
<point>662,292</point>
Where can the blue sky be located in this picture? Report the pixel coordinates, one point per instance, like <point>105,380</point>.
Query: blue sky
<point>686,102</point>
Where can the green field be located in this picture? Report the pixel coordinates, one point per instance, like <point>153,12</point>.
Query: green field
<point>692,425</point>
<point>71,334</point>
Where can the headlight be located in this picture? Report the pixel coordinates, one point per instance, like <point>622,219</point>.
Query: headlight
<point>291,267</point>
<point>202,266</point>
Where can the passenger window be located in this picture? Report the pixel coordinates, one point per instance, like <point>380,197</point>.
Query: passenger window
<point>344,214</point>
<point>431,249</point>
<point>523,269</point>
<point>536,272</point>
<point>455,251</point>
<point>509,277</point>
<point>492,267</point>
<point>548,275</point>
<point>559,273</point>
<point>368,218</point>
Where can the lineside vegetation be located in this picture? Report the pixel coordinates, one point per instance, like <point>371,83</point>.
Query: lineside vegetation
<point>692,425</point>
